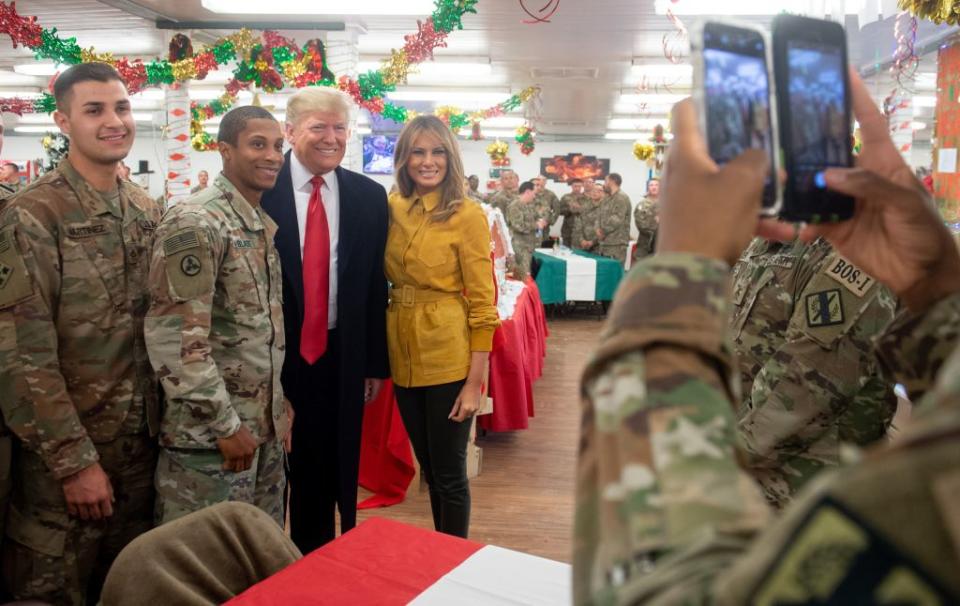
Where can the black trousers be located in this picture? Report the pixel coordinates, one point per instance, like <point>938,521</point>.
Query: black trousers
<point>441,448</point>
<point>317,458</point>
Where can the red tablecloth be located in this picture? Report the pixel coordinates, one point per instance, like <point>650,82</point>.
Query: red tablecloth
<point>386,461</point>
<point>519,346</point>
<point>379,562</point>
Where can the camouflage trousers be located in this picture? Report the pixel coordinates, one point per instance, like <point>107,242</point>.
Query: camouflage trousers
<point>615,251</point>
<point>523,256</point>
<point>189,480</point>
<point>6,487</point>
<point>52,557</point>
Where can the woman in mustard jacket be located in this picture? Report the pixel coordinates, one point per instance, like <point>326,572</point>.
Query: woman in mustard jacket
<point>441,318</point>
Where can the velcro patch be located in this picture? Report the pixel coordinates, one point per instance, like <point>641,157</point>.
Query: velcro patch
<point>824,308</point>
<point>241,243</point>
<point>850,276</point>
<point>86,231</point>
<point>835,557</point>
<point>184,240</point>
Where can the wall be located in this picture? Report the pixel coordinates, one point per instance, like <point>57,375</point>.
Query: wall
<point>946,185</point>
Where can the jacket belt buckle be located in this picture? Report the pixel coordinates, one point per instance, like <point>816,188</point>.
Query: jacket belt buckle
<point>407,295</point>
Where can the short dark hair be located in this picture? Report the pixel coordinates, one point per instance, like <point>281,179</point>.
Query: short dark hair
<point>575,181</point>
<point>235,120</point>
<point>616,178</point>
<point>526,186</point>
<point>83,72</point>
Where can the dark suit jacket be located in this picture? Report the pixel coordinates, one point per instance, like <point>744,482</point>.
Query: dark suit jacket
<point>361,311</point>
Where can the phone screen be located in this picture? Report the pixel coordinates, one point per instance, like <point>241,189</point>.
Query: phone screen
<point>819,129</point>
<point>810,57</point>
<point>737,96</point>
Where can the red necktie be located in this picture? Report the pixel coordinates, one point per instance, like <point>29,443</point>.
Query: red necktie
<point>316,278</point>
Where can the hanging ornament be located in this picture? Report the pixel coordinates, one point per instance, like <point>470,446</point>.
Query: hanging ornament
<point>643,151</point>
<point>938,11</point>
<point>543,14</point>
<point>525,137</point>
<point>475,133</point>
<point>498,151</point>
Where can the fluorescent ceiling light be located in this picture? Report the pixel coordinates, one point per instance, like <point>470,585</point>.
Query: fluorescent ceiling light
<point>363,130</point>
<point>480,98</point>
<point>27,94</point>
<point>37,129</point>
<point>924,101</point>
<point>48,119</point>
<point>503,122</point>
<point>653,98</point>
<point>753,7</point>
<point>634,136</point>
<point>662,73</point>
<point>491,134</point>
<point>636,124</point>
<point>14,79</point>
<point>918,125</point>
<point>437,69</point>
<point>38,68</point>
<point>321,7</point>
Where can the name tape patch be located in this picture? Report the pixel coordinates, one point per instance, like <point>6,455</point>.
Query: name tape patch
<point>850,276</point>
<point>86,231</point>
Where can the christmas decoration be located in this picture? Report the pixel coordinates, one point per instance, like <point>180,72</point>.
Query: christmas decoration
<point>643,151</point>
<point>545,12</point>
<point>498,151</point>
<point>524,137</point>
<point>55,146</point>
<point>938,11</point>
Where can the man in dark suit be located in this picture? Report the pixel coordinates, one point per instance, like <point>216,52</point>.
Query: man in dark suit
<point>332,232</point>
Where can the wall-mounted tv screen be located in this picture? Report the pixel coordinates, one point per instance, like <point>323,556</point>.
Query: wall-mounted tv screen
<point>378,154</point>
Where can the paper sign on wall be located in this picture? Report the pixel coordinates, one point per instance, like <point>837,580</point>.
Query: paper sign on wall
<point>947,160</point>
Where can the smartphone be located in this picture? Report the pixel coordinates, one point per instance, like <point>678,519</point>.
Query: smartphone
<point>813,97</point>
<point>734,94</point>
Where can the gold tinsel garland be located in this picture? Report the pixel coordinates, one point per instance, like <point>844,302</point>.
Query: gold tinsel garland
<point>938,11</point>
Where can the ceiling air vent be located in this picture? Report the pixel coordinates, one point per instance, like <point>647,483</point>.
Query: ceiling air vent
<point>564,73</point>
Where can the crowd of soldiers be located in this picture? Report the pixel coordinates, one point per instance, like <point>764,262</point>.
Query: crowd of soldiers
<point>595,217</point>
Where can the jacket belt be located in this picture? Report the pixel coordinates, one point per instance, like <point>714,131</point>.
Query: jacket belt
<point>408,296</point>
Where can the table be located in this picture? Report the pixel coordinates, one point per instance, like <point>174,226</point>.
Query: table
<point>519,346</point>
<point>576,275</point>
<point>384,562</point>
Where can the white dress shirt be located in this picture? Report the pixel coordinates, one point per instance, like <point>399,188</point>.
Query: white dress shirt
<point>330,192</point>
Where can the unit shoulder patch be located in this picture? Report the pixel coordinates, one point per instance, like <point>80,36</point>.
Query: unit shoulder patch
<point>849,276</point>
<point>15,283</point>
<point>835,557</point>
<point>189,270</point>
<point>824,308</point>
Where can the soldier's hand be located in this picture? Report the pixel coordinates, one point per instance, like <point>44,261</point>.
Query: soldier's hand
<point>88,493</point>
<point>896,234</point>
<point>704,209</point>
<point>288,439</point>
<point>238,450</point>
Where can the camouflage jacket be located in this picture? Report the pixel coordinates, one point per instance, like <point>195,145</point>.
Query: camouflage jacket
<point>73,295</point>
<point>803,324</point>
<point>570,207</point>
<point>522,221</point>
<point>585,226</point>
<point>7,192</point>
<point>215,325</point>
<point>547,205</point>
<point>614,219</point>
<point>664,515</point>
<point>503,199</point>
<point>645,218</point>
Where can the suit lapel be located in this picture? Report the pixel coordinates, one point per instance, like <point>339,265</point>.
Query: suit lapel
<point>282,208</point>
<point>350,220</point>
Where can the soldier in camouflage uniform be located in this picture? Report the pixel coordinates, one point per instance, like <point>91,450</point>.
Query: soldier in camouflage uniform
<point>585,226</point>
<point>547,203</point>
<point>508,193</point>
<point>664,513</point>
<point>473,188</point>
<point>524,222</point>
<point>6,440</point>
<point>645,218</point>
<point>216,295</point>
<point>613,223</point>
<point>570,207</point>
<point>77,389</point>
<point>803,323</point>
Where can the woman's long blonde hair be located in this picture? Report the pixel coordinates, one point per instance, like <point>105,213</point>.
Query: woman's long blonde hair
<point>451,189</point>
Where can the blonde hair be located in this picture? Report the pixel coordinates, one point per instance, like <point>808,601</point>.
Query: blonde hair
<point>317,99</point>
<point>451,189</point>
